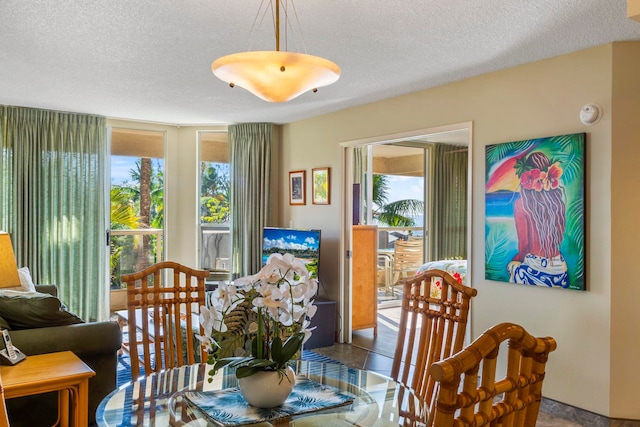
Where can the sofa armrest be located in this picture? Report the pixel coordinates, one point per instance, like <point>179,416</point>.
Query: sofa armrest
<point>47,289</point>
<point>82,338</point>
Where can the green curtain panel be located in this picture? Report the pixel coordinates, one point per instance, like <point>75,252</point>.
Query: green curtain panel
<point>52,202</point>
<point>448,228</point>
<point>360,177</point>
<point>250,166</point>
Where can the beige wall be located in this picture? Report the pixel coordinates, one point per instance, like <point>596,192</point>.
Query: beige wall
<point>594,366</point>
<point>625,229</point>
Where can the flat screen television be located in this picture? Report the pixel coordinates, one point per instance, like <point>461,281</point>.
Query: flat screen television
<point>302,244</point>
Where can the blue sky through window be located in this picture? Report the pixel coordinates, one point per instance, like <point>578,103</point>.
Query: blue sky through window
<point>405,187</point>
<point>400,187</point>
<point>121,167</point>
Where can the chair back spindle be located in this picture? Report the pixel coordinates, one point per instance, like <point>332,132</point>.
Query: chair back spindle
<point>408,256</point>
<point>433,320</point>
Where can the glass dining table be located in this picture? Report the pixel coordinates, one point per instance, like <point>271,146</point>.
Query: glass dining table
<point>163,399</point>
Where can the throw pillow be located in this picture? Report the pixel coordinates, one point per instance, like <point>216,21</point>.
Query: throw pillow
<point>27,310</point>
<point>25,280</point>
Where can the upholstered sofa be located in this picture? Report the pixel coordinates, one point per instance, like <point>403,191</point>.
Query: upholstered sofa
<point>96,343</point>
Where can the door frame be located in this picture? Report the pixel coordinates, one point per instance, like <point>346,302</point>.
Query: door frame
<point>346,298</point>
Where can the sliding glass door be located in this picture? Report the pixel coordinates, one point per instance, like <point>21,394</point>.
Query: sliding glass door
<point>137,201</point>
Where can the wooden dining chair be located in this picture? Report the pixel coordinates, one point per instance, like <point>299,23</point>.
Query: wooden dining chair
<point>486,397</point>
<point>385,272</point>
<point>163,305</point>
<point>408,256</point>
<point>433,320</point>
<point>4,416</point>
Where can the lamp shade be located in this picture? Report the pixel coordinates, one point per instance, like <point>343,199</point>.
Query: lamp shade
<point>275,76</point>
<point>8,269</point>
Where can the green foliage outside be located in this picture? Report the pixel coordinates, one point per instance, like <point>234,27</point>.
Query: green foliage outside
<point>125,215</point>
<point>215,193</point>
<point>394,214</point>
<point>125,212</point>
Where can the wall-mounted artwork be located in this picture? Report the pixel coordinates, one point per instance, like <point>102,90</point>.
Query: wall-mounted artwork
<point>297,184</point>
<point>535,212</point>
<point>321,186</point>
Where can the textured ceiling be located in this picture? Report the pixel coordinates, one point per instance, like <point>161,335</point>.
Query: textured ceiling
<point>151,60</point>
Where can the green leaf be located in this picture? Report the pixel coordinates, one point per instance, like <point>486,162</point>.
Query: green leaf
<point>291,347</point>
<point>253,366</point>
<point>276,349</point>
<point>231,361</point>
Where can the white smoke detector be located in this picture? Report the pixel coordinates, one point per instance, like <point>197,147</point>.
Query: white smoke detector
<point>590,114</point>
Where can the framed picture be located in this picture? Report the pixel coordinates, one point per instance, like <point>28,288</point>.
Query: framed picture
<point>297,188</point>
<point>535,212</point>
<point>321,186</point>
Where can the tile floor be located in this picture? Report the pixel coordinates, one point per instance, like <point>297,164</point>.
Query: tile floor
<point>376,354</point>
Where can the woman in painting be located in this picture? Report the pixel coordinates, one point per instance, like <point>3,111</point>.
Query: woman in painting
<point>539,214</point>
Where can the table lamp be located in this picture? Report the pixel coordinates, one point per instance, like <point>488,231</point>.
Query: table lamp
<point>8,269</point>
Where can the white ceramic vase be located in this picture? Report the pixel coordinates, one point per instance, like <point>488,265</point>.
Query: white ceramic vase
<point>267,389</point>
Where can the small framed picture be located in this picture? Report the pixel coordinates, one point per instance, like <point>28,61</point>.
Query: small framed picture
<point>297,188</point>
<point>321,186</point>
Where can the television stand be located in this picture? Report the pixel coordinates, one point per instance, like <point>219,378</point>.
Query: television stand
<point>325,333</point>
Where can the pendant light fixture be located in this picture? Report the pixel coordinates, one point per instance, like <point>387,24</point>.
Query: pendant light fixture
<point>276,76</point>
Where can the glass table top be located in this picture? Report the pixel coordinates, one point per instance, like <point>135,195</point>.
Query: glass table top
<point>158,399</point>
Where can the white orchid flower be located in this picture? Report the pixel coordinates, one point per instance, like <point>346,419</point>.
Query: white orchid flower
<point>207,342</point>
<point>287,264</point>
<point>218,323</point>
<point>270,273</point>
<point>245,283</point>
<point>307,330</point>
<point>207,321</point>
<point>301,270</point>
<point>312,288</point>
<point>285,318</point>
<point>298,291</point>
<point>226,297</point>
<point>300,312</point>
<point>273,307</point>
<point>275,258</point>
<point>311,310</point>
<point>282,291</point>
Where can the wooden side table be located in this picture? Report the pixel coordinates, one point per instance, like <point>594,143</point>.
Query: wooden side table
<point>63,372</point>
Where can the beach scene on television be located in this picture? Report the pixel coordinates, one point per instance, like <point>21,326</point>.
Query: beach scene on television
<point>302,244</point>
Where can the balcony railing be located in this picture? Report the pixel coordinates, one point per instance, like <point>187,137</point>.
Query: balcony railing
<point>133,250</point>
<point>215,255</point>
<point>388,235</point>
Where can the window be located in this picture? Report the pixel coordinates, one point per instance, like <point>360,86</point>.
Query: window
<point>137,201</point>
<point>215,209</point>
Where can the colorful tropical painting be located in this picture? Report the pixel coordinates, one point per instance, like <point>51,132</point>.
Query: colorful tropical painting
<point>535,212</point>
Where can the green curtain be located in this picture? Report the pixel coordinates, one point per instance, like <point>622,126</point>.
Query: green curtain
<point>360,178</point>
<point>448,228</point>
<point>52,202</point>
<point>250,169</point>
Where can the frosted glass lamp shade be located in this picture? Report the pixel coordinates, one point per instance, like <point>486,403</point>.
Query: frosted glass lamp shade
<point>8,269</point>
<point>275,76</point>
